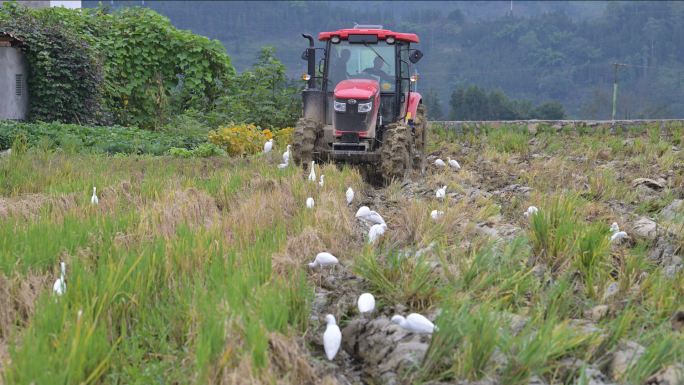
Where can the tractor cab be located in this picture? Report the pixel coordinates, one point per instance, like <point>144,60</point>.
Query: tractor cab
<point>357,86</point>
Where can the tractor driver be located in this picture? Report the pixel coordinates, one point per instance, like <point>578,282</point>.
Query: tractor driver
<point>376,70</point>
<point>339,68</point>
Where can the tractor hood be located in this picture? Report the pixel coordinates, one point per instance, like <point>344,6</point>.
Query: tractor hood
<point>357,89</point>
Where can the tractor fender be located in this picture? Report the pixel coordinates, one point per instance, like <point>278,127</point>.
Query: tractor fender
<point>413,100</point>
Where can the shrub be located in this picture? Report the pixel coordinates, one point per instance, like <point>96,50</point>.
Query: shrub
<point>247,139</point>
<point>113,139</point>
<point>261,95</point>
<point>66,76</point>
<point>132,58</point>
<point>204,150</point>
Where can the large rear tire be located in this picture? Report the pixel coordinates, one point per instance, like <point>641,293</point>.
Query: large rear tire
<point>421,124</point>
<point>305,134</point>
<point>397,152</point>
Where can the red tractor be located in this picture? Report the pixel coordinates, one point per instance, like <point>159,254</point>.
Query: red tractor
<point>359,107</point>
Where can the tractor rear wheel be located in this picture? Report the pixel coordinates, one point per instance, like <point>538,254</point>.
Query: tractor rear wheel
<point>305,134</point>
<point>396,155</point>
<point>421,124</point>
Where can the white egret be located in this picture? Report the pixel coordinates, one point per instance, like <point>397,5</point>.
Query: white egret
<point>415,323</point>
<point>366,303</point>
<point>59,288</point>
<point>321,182</point>
<point>375,218</point>
<point>323,260</point>
<point>531,211</point>
<point>441,193</point>
<point>312,174</point>
<point>309,203</point>
<point>453,163</point>
<point>268,146</point>
<point>332,338</point>
<point>440,163</point>
<point>350,196</point>
<point>436,214</point>
<point>363,212</point>
<point>286,154</point>
<point>94,200</point>
<point>376,231</point>
<point>283,165</point>
<point>614,228</point>
<point>367,215</point>
<point>619,235</point>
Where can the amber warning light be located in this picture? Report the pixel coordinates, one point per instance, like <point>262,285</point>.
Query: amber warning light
<point>306,77</point>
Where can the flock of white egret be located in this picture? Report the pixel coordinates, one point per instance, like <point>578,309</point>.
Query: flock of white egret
<point>332,338</point>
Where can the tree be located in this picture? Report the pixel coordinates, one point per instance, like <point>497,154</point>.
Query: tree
<point>456,104</point>
<point>476,102</point>
<point>529,42</point>
<point>550,110</point>
<point>433,105</point>
<point>599,107</point>
<point>652,29</point>
<point>456,15</point>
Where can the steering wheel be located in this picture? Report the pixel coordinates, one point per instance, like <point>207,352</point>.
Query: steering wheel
<point>363,76</point>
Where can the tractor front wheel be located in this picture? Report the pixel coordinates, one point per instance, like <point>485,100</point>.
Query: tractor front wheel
<point>305,134</point>
<point>397,152</point>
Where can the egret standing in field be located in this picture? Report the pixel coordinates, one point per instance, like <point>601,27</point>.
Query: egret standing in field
<point>531,211</point>
<point>283,165</point>
<point>324,260</point>
<point>286,154</point>
<point>93,199</point>
<point>332,338</point>
<point>312,174</point>
<point>268,146</point>
<point>453,163</point>
<point>619,235</point>
<point>440,163</point>
<point>363,212</point>
<point>59,288</point>
<point>376,231</point>
<point>350,196</point>
<point>614,228</point>
<point>371,216</point>
<point>415,323</point>
<point>366,304</point>
<point>441,193</point>
<point>436,214</point>
<point>321,182</point>
<point>309,203</point>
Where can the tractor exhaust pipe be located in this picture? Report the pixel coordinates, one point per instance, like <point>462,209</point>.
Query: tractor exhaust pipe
<point>311,61</point>
<point>313,100</point>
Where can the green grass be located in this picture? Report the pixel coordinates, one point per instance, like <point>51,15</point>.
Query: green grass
<point>193,270</point>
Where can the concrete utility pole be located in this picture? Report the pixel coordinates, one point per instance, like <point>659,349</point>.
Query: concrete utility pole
<point>615,87</point>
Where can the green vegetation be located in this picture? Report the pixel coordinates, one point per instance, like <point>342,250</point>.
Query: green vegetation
<point>111,139</point>
<point>127,62</point>
<point>553,50</point>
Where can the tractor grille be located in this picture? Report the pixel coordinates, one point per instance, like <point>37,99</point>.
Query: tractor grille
<point>349,148</point>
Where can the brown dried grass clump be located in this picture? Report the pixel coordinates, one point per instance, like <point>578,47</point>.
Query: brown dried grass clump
<point>18,294</point>
<point>290,359</point>
<point>192,207</point>
<point>32,207</point>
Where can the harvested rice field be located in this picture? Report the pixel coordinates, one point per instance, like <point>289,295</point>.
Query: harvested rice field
<point>195,271</point>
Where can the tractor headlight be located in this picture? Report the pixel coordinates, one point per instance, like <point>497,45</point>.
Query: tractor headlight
<point>365,107</point>
<point>390,40</point>
<point>335,39</point>
<point>340,107</point>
